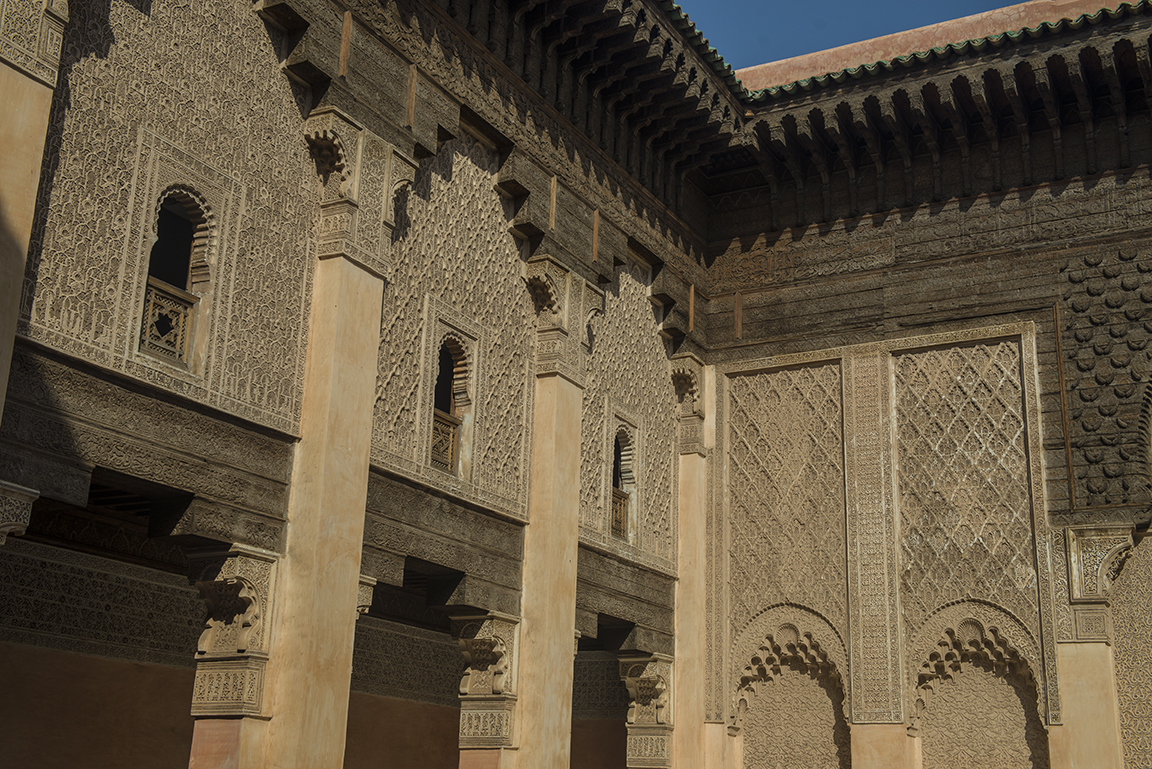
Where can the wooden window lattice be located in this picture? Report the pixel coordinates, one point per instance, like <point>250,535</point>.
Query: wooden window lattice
<point>167,321</point>
<point>620,513</point>
<point>445,437</point>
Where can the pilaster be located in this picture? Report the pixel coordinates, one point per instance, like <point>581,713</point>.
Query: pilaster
<point>552,534</point>
<point>31,38</point>
<point>1090,735</point>
<point>320,588</point>
<point>690,671</point>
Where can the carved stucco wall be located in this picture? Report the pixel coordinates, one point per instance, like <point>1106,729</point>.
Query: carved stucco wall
<point>62,599</point>
<point>404,662</point>
<point>149,95</point>
<point>797,720</point>
<point>1131,600</point>
<point>949,422</point>
<point>597,689</point>
<point>980,719</point>
<point>963,480</point>
<point>456,265</point>
<point>786,486</point>
<point>629,381</point>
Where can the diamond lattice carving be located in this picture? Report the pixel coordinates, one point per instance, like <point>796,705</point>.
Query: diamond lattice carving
<point>963,480</point>
<point>786,481</point>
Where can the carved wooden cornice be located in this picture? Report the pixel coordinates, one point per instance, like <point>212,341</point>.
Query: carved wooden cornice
<point>945,123</point>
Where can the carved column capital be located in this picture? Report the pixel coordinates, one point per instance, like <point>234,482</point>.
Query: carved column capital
<point>15,509</point>
<point>566,308</point>
<point>648,678</point>
<point>364,592</point>
<point>1095,556</point>
<point>336,143</point>
<point>687,381</point>
<point>488,686</point>
<point>237,585</point>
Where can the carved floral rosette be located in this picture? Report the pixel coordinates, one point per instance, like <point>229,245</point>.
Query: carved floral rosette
<point>15,509</point>
<point>488,686</point>
<point>648,678</point>
<point>237,585</point>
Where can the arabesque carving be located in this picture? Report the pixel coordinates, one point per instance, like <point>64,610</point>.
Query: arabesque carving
<point>232,653</point>
<point>15,509</point>
<point>460,262</point>
<point>488,686</point>
<point>975,670</point>
<point>648,679</point>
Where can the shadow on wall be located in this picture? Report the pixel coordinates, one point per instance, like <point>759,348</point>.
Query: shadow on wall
<point>88,34</point>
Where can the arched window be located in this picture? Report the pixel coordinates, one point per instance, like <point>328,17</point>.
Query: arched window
<point>178,275</point>
<point>449,405</point>
<point>623,484</point>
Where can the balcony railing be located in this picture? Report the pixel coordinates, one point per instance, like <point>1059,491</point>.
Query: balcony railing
<point>167,323</point>
<point>620,501</point>
<point>445,440</point>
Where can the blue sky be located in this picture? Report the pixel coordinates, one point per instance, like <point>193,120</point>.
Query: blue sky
<point>747,32</point>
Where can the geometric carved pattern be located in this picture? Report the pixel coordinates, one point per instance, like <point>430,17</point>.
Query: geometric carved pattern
<point>964,480</point>
<point>77,602</point>
<point>597,691</point>
<point>628,380</point>
<point>471,264</point>
<point>1095,557</point>
<point>1131,600</point>
<point>405,662</point>
<point>786,489</point>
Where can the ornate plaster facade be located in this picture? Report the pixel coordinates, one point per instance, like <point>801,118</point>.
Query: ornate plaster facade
<point>503,384</point>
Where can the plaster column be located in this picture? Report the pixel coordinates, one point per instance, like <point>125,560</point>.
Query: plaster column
<point>311,664</point>
<point>551,538</point>
<point>883,746</point>
<point>690,670</point>
<point>1090,735</point>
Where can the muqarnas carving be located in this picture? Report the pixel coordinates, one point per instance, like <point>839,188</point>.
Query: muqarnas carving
<point>973,671</point>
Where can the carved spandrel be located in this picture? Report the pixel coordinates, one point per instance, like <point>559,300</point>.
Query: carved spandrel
<point>1095,557</point>
<point>237,585</point>
<point>648,679</point>
<point>15,509</point>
